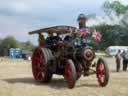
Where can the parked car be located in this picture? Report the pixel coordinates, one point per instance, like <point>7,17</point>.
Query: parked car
<point>26,55</point>
<point>112,50</point>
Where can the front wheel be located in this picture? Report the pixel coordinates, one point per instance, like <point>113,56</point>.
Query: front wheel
<point>102,72</point>
<point>70,73</point>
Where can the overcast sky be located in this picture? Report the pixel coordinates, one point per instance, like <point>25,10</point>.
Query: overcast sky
<point>18,17</point>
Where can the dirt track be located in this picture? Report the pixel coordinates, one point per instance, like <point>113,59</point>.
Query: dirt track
<point>16,80</point>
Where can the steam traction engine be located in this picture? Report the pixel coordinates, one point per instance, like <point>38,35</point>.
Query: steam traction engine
<point>61,52</point>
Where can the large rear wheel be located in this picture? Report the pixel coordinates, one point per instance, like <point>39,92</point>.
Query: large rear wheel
<point>70,73</point>
<point>102,72</point>
<point>40,65</point>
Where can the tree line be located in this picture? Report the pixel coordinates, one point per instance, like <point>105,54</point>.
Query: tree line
<point>10,42</point>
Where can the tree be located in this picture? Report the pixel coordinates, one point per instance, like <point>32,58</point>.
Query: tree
<point>115,7</point>
<point>117,12</point>
<point>114,34</point>
<point>26,46</point>
<point>11,42</point>
<point>1,53</point>
<point>7,43</point>
<point>111,35</point>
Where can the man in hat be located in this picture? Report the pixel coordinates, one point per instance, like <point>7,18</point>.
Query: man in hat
<point>125,59</point>
<point>118,58</point>
<point>82,25</point>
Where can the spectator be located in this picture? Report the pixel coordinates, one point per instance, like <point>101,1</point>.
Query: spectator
<point>118,58</point>
<point>125,60</point>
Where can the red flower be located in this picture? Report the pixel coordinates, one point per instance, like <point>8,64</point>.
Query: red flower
<point>97,35</point>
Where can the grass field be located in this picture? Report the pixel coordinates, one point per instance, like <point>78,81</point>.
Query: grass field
<point>16,80</point>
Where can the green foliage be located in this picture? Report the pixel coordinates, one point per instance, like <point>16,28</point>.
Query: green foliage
<point>114,7</point>
<point>7,43</point>
<point>111,35</point>
<point>26,46</point>
<point>11,42</point>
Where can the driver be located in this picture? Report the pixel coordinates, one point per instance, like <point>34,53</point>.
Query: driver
<point>82,25</point>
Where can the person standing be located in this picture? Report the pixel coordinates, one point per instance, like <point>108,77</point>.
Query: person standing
<point>125,60</point>
<point>118,59</point>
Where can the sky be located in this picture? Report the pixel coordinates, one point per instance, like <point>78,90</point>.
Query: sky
<point>18,17</point>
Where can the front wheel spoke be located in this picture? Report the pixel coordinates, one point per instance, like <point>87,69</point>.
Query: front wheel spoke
<point>102,79</point>
<point>102,71</point>
<point>101,67</point>
<point>101,74</point>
